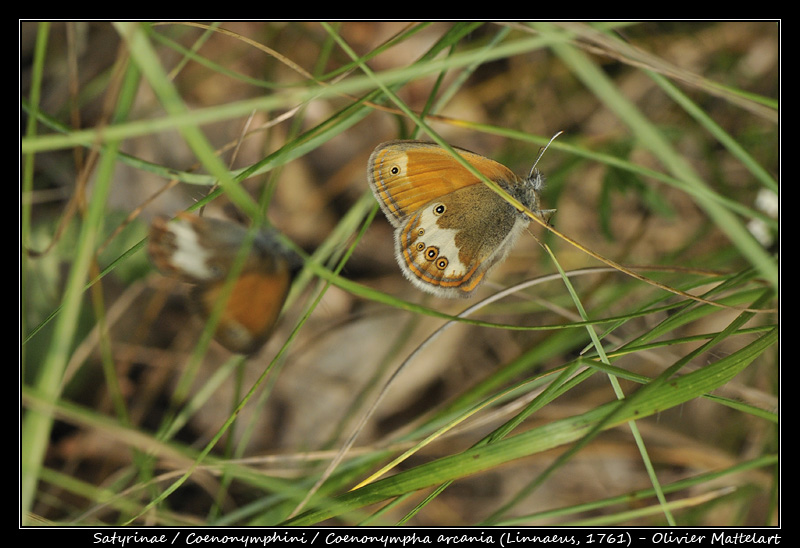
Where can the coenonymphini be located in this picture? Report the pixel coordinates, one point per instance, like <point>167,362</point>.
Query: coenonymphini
<point>450,227</point>
<point>202,250</point>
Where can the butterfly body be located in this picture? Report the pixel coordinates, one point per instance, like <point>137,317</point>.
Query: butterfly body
<point>450,227</point>
<point>203,251</point>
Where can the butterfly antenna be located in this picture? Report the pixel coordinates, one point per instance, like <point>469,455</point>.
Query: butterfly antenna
<point>541,152</point>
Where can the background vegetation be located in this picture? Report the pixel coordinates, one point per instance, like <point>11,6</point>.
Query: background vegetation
<point>592,396</point>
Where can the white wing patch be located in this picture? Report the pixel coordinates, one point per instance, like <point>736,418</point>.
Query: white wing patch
<point>445,240</point>
<point>189,255</point>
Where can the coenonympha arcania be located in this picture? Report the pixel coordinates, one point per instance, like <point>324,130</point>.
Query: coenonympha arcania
<point>450,227</point>
<point>202,251</point>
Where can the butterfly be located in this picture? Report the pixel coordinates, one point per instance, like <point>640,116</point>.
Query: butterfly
<point>202,252</point>
<point>451,228</point>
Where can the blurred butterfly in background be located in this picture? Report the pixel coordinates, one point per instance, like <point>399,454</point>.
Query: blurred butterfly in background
<point>202,251</point>
<point>451,229</point>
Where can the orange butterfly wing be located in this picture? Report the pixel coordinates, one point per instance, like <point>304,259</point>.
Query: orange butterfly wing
<point>406,175</point>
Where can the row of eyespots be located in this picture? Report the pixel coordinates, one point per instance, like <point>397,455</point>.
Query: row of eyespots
<point>431,253</point>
